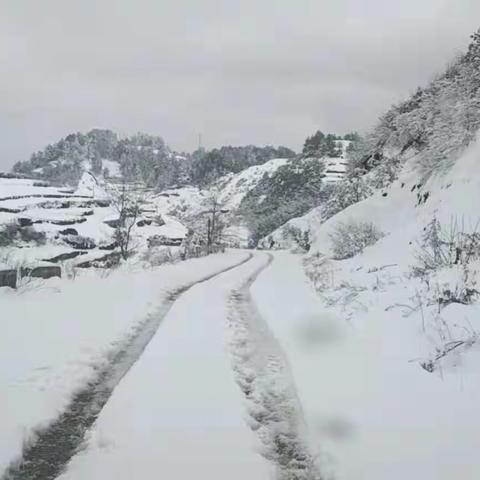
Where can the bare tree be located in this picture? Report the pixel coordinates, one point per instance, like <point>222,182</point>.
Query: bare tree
<point>206,224</point>
<point>127,200</point>
<point>215,225</point>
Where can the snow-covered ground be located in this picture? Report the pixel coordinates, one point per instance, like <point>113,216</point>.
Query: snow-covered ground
<point>358,347</point>
<point>372,411</point>
<point>10,187</point>
<point>56,334</point>
<point>178,412</point>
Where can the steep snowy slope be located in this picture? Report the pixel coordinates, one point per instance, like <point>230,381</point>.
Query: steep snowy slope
<point>406,207</point>
<point>417,325</point>
<point>233,188</point>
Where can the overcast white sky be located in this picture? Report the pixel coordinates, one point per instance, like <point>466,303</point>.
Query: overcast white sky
<point>239,72</point>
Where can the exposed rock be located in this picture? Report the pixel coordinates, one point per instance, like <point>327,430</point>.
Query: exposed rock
<point>42,272</point>
<point>11,210</point>
<point>108,246</point>
<point>8,278</point>
<point>102,203</point>
<point>107,261</point>
<point>79,242</point>
<point>68,231</point>
<point>142,223</point>
<point>65,256</point>
<point>24,222</point>
<point>63,222</point>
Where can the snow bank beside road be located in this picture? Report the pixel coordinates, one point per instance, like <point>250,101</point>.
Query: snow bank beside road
<point>56,334</point>
<point>377,412</point>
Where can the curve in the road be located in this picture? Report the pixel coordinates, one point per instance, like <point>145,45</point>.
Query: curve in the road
<point>48,454</point>
<point>262,372</point>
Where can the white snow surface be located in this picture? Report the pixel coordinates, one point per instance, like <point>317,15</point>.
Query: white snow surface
<point>373,413</point>
<point>90,186</point>
<point>15,186</point>
<point>55,332</point>
<point>178,412</point>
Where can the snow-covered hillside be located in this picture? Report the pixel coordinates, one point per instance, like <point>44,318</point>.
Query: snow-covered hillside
<point>335,167</point>
<point>76,227</point>
<point>403,209</point>
<point>190,204</point>
<point>412,317</point>
<point>78,224</point>
<point>233,188</point>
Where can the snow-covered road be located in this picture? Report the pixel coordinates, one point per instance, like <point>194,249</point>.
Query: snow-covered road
<point>54,445</point>
<point>178,412</point>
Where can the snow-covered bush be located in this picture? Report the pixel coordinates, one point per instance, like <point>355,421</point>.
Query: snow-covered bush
<point>448,261</point>
<point>351,238</point>
<point>448,341</point>
<point>156,256</point>
<point>457,284</point>
<point>12,233</point>
<point>300,237</point>
<point>345,193</point>
<point>320,273</point>
<point>385,174</point>
<point>442,246</point>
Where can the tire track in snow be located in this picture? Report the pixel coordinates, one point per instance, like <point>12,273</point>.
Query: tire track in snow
<point>50,449</point>
<point>262,372</point>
